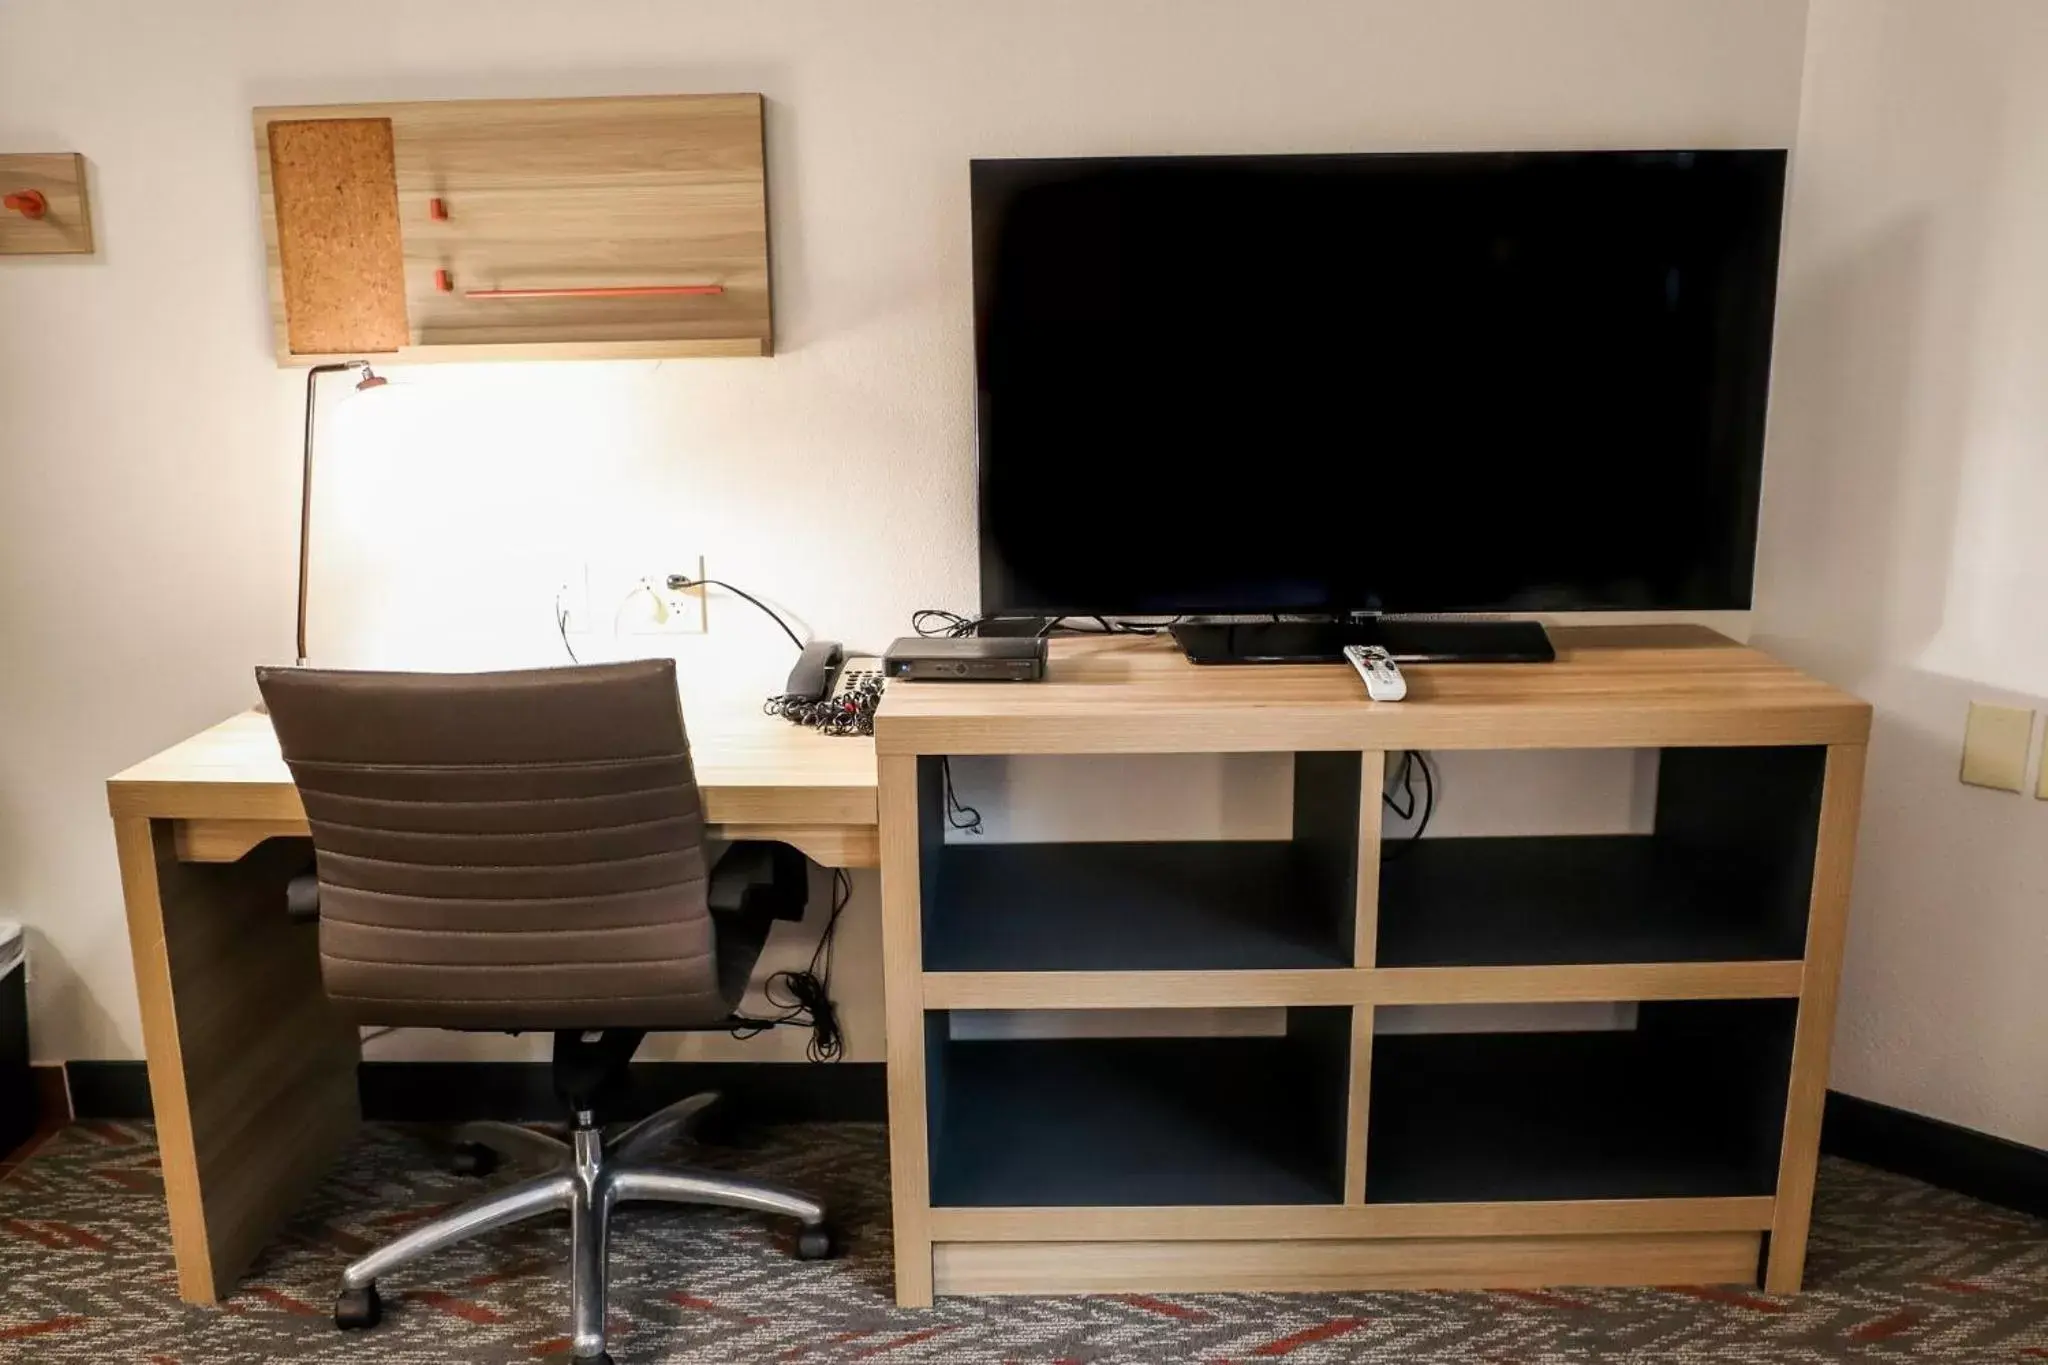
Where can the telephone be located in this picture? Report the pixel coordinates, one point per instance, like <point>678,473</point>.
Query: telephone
<point>813,675</point>
<point>829,691</point>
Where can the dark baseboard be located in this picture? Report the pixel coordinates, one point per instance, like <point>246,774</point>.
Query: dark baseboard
<point>108,1090</point>
<point>446,1092</point>
<point>53,1095</point>
<point>1990,1168</point>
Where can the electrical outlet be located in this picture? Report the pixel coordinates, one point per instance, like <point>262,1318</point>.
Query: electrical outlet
<point>654,608</point>
<point>572,600</point>
<point>1995,746</point>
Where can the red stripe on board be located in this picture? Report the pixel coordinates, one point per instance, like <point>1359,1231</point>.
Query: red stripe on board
<point>1335,1327</point>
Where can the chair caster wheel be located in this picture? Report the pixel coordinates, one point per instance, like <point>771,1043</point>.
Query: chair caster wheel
<point>358,1310</point>
<point>473,1158</point>
<point>817,1244</point>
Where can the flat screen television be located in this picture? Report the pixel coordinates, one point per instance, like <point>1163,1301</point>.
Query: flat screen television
<point>1430,383</point>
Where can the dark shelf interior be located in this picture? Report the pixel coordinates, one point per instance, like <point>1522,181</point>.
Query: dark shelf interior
<point>1726,876</point>
<point>1576,898</point>
<point>1050,1123</point>
<point>1690,1103</point>
<point>1134,907</point>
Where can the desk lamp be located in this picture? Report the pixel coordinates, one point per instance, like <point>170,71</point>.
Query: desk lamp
<point>370,380</point>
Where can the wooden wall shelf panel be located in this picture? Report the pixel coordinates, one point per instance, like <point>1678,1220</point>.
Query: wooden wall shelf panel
<point>1335,1156</point>
<point>618,228</point>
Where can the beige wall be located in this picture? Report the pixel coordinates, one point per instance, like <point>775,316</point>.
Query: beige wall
<point>148,445</point>
<point>1905,506</point>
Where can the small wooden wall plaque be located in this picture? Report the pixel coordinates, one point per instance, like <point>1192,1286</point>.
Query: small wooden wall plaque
<point>46,209</point>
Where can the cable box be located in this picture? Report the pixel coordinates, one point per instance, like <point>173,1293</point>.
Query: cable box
<point>973,659</point>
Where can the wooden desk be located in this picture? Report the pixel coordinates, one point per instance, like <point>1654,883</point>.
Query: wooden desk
<point>253,1078</point>
<point>1664,1154</point>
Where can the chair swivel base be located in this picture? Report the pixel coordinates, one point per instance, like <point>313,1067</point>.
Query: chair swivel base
<point>589,1179</point>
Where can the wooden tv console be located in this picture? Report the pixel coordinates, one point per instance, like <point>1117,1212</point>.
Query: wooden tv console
<point>1676,1151</point>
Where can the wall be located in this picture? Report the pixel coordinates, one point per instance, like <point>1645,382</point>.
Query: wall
<point>1903,553</point>
<point>149,447</point>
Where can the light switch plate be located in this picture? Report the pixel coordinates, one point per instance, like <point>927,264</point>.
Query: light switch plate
<point>1996,743</point>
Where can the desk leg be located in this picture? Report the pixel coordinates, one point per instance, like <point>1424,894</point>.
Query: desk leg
<point>904,1028</point>
<point>252,1075</point>
<point>1813,1034</point>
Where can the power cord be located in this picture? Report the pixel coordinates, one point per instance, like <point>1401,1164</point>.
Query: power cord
<point>679,581</point>
<point>805,997</point>
<point>1404,774</point>
<point>935,623</point>
<point>959,814</point>
<point>562,629</point>
<point>938,623</point>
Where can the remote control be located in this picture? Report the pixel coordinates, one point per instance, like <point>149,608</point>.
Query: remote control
<point>1383,680</point>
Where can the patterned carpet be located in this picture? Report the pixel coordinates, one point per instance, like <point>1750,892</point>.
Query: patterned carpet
<point>1899,1272</point>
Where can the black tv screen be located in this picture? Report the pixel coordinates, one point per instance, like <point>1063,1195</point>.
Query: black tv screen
<point>1397,383</point>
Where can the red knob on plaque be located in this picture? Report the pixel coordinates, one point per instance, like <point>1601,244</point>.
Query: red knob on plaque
<point>27,203</point>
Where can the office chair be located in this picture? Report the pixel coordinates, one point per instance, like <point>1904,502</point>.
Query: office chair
<point>511,851</point>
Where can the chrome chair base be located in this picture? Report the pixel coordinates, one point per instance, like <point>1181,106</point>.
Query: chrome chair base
<point>587,1178</point>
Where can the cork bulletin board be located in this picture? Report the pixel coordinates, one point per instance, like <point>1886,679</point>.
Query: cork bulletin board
<point>335,184</point>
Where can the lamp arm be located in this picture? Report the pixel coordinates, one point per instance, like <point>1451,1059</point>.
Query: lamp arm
<point>306,488</point>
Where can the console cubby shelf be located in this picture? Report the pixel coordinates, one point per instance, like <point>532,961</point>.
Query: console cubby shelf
<point>1134,907</point>
<point>1325,1151</point>
<point>1130,1121</point>
<point>1690,1103</point>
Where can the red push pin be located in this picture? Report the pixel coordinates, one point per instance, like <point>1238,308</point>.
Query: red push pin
<point>437,210</point>
<point>27,203</point>
<point>444,282</point>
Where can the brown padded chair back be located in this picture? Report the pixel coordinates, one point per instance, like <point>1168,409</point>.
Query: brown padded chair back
<point>504,850</point>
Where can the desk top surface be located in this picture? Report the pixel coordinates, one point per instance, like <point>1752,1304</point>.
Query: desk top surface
<point>1611,687</point>
<point>752,768</point>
